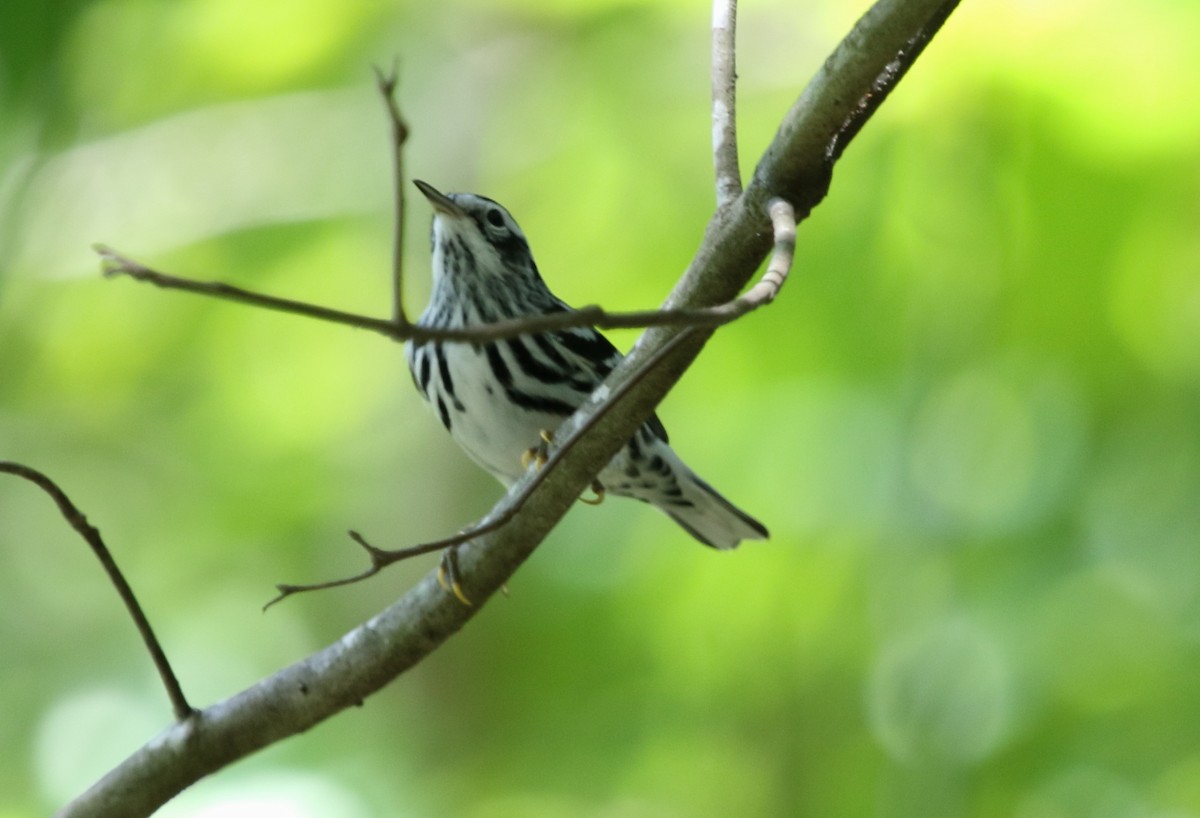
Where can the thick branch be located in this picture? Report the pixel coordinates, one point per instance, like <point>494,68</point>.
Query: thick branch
<point>845,92</point>
<point>796,168</point>
<point>91,535</point>
<point>887,80</point>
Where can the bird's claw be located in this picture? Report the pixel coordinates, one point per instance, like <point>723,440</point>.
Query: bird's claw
<point>539,454</point>
<point>598,491</point>
<point>447,575</point>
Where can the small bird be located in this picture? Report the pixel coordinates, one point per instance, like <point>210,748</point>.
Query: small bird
<point>501,400</point>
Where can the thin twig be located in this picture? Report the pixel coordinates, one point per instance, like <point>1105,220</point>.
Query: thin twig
<point>509,505</point>
<point>116,264</point>
<point>724,98</point>
<point>91,535</point>
<point>387,88</point>
<point>383,557</point>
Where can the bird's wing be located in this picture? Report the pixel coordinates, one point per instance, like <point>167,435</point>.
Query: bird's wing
<point>594,357</point>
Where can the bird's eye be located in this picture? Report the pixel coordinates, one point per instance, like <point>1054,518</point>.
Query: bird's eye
<point>495,218</point>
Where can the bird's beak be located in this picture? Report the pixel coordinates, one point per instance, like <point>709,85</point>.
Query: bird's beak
<point>440,201</point>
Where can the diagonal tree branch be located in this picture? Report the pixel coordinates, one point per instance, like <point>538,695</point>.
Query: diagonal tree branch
<point>887,80</point>
<point>91,535</point>
<point>797,168</point>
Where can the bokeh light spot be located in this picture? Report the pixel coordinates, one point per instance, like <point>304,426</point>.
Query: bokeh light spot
<point>941,696</point>
<point>973,450</point>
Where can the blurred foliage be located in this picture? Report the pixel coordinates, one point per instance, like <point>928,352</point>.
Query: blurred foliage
<point>971,421</point>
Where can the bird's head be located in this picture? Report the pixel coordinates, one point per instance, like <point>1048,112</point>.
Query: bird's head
<point>475,238</point>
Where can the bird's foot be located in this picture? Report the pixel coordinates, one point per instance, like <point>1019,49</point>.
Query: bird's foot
<point>597,491</point>
<point>539,454</point>
<point>448,575</point>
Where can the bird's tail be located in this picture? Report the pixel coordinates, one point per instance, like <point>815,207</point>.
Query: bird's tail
<point>710,518</point>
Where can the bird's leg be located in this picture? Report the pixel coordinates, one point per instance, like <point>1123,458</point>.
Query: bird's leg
<point>539,454</point>
<point>598,491</point>
<point>448,575</point>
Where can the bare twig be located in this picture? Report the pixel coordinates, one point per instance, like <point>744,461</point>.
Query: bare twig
<point>116,264</point>
<point>387,88</point>
<point>724,98</point>
<point>382,557</point>
<point>91,535</point>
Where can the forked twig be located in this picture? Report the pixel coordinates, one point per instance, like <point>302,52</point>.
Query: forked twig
<point>91,535</point>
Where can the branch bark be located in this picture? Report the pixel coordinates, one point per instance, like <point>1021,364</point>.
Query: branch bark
<point>796,167</point>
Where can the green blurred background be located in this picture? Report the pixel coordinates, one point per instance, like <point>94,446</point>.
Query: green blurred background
<point>972,422</point>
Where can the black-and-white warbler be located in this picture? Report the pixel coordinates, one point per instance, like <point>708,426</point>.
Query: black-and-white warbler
<point>498,398</point>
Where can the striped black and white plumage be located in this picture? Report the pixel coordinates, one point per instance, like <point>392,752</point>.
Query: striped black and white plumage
<point>496,398</point>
